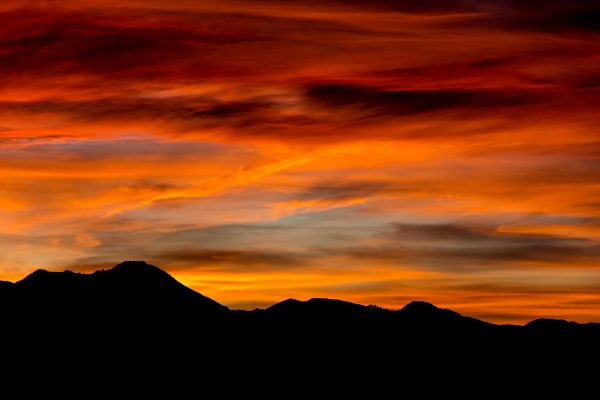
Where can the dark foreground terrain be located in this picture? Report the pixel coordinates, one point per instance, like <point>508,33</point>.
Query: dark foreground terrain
<point>136,317</point>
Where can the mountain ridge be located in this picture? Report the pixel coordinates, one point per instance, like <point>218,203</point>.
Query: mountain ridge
<point>143,274</point>
<point>138,318</point>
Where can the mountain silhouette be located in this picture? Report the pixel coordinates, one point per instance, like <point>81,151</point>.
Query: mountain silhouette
<point>138,313</point>
<point>143,289</point>
<point>132,287</point>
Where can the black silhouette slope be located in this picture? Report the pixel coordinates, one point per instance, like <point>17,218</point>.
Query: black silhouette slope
<point>130,291</point>
<point>420,314</point>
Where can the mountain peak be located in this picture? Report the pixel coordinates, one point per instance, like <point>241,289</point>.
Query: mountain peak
<point>550,324</point>
<point>133,284</point>
<point>137,266</point>
<point>424,314</point>
<point>138,270</point>
<point>143,280</point>
<point>38,272</point>
<point>43,274</point>
<point>420,306</point>
<point>285,305</point>
<point>42,278</point>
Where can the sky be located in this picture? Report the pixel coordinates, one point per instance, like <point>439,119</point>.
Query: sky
<point>373,151</point>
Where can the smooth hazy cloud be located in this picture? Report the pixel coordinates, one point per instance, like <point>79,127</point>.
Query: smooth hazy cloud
<point>244,260</point>
<point>244,248</point>
<point>328,190</point>
<point>47,151</point>
<point>438,247</point>
<point>465,245</point>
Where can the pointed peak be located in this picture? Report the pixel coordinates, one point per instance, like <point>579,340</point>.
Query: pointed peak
<point>285,303</point>
<point>36,275</point>
<point>290,301</point>
<point>39,272</point>
<point>285,307</point>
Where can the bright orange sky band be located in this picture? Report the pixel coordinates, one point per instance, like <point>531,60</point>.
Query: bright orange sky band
<point>373,151</point>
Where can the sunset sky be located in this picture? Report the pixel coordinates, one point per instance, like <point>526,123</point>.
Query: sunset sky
<point>373,151</point>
